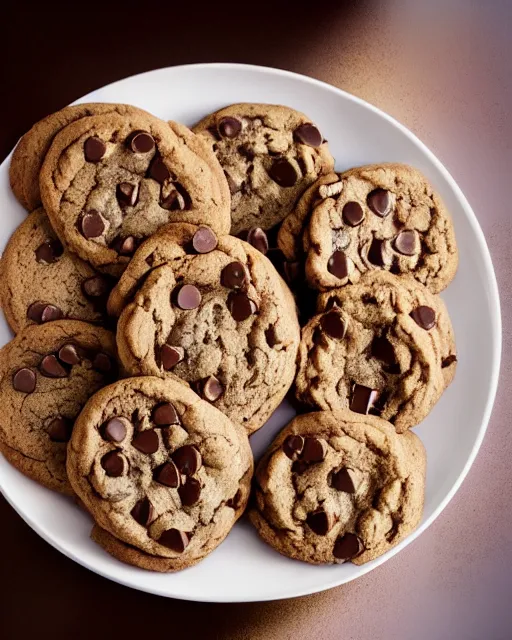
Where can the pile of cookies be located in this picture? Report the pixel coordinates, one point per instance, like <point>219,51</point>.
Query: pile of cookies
<point>157,291</point>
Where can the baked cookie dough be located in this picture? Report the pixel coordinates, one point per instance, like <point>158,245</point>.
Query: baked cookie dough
<point>384,217</point>
<point>41,281</point>
<point>47,373</point>
<point>213,312</point>
<point>338,486</point>
<point>164,474</point>
<point>269,154</point>
<point>384,346</point>
<point>110,181</point>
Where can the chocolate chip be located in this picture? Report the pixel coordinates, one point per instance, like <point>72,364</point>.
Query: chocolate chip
<point>102,362</point>
<point>127,194</point>
<point>168,475</point>
<point>353,214</point>
<point>247,152</point>
<point>347,547</point>
<point>233,276</point>
<point>448,361</point>
<point>313,451</point>
<point>92,225</point>
<point>337,265</point>
<point>363,399</point>
<point>158,171</point>
<point>113,463</point>
<point>308,134</point>
<point>164,415</point>
<point>425,317</point>
<point>174,539</point>
<point>170,356</point>
<point>115,429</point>
<point>50,313</point>
<point>211,389</point>
<point>190,492</point>
<point>94,149</point>
<point>344,480</point>
<point>49,251</point>
<point>173,201</point>
<point>24,380</point>
<point>293,446</point>
<point>376,253</point>
<point>271,337</point>
<point>383,350</point>
<point>204,240</point>
<point>52,368</point>
<point>146,441</point>
<point>283,173</point>
<point>235,501</point>
<point>188,297</point>
<point>229,127</point>
<point>59,429</point>
<point>140,142</point>
<point>333,325</point>
<point>320,522</point>
<point>241,306</point>
<point>142,512</point>
<point>95,287</point>
<point>258,239</point>
<point>187,459</point>
<point>405,242</point>
<point>35,311</point>
<point>379,201</point>
<point>124,246</point>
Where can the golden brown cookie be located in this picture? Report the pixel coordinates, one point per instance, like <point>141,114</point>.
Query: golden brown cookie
<point>42,281</point>
<point>384,346</point>
<point>214,312</point>
<point>110,181</point>
<point>164,474</point>
<point>47,373</point>
<point>337,487</point>
<point>384,217</point>
<point>269,154</point>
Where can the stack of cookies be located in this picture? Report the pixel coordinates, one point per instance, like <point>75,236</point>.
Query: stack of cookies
<point>157,291</point>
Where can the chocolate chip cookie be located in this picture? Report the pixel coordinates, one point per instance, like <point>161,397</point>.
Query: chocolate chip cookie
<point>31,149</point>
<point>383,346</point>
<point>41,280</point>
<point>339,486</point>
<point>47,373</point>
<point>269,154</point>
<point>375,217</point>
<point>110,181</point>
<point>164,474</point>
<point>214,312</point>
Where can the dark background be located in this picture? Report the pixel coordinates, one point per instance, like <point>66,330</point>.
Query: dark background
<point>444,69</point>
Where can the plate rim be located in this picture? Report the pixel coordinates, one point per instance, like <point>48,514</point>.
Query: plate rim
<point>497,337</point>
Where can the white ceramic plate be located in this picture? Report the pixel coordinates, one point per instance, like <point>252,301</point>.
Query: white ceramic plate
<point>244,568</point>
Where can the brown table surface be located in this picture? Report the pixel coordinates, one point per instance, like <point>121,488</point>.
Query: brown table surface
<point>444,69</point>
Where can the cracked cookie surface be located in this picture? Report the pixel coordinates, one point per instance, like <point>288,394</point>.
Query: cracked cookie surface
<point>384,345</point>
<point>110,181</point>
<point>384,217</point>
<point>47,373</point>
<point>269,154</point>
<point>338,486</point>
<point>223,321</point>
<point>42,281</point>
<point>30,151</point>
<point>164,474</point>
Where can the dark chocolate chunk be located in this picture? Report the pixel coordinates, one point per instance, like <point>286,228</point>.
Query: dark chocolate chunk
<point>190,492</point>
<point>233,276</point>
<point>337,265</point>
<point>313,450</point>
<point>91,224</point>
<point>158,171</point>
<point>363,399</point>
<point>187,459</point>
<point>376,252</point>
<point>68,354</point>
<point>168,475</point>
<point>211,388</point>
<point>52,368</point>
<point>113,463</point>
<point>353,214</point>
<point>383,350</point>
<point>333,324</point>
<point>49,251</point>
<point>283,173</point>
<point>258,239</point>
<point>347,547</point>
<point>320,522</point>
<point>164,415</point>
<point>424,317</point>
<point>59,429</point>
<point>142,512</point>
<point>188,297</point>
<point>94,149</point>
<point>115,429</point>
<point>344,480</point>
<point>241,306</point>
<point>229,127</point>
<point>102,362</point>
<point>293,446</point>
<point>308,134</point>
<point>146,441</point>
<point>140,142</point>
<point>127,194</point>
<point>379,201</point>
<point>174,539</point>
<point>204,240</point>
<point>24,380</point>
<point>96,286</point>
<point>170,356</point>
<point>405,242</point>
